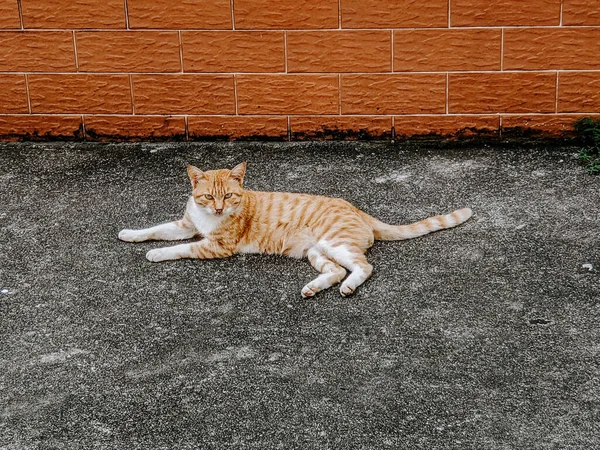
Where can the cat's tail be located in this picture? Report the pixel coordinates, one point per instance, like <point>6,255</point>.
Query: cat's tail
<point>385,232</point>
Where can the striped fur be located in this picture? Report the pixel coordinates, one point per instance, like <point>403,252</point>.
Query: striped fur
<point>330,232</point>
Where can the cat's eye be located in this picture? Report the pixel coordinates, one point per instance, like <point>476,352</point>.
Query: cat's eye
<point>209,197</point>
<point>228,195</point>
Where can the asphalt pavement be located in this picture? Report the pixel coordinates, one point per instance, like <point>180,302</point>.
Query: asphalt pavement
<point>485,336</point>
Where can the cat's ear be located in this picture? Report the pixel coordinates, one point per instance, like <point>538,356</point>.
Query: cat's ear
<point>195,175</point>
<point>237,173</point>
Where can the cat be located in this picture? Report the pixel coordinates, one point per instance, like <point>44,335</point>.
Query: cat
<point>331,232</point>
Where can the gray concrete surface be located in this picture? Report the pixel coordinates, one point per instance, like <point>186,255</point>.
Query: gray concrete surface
<point>485,336</point>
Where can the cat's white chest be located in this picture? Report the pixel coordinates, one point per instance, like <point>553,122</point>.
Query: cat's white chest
<point>204,222</point>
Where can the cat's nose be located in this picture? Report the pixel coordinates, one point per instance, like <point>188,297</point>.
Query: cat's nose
<point>219,211</point>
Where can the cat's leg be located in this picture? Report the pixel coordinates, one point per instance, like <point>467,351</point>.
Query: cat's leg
<point>353,259</point>
<point>171,231</point>
<point>204,249</point>
<point>331,273</point>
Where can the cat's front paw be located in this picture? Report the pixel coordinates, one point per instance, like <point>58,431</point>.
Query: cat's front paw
<point>131,236</point>
<point>158,255</point>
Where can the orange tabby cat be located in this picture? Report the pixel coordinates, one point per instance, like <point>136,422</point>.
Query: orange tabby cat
<point>332,233</point>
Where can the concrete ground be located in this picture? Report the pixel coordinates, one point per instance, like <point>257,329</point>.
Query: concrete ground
<point>485,336</point>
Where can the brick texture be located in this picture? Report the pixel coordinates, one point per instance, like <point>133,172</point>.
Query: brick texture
<point>501,92</point>
<point>281,94</point>
<point>449,126</point>
<point>134,127</point>
<point>14,127</point>
<point>73,14</point>
<point>97,94</point>
<point>336,127</point>
<point>504,13</point>
<point>128,51</point>
<point>447,50</point>
<point>13,93</point>
<point>37,51</point>
<point>393,94</point>
<point>579,92</point>
<point>243,51</point>
<point>180,14</point>
<point>552,48</point>
<point>285,14</point>
<point>541,125</point>
<point>238,127</point>
<point>296,69</point>
<point>394,14</point>
<point>183,94</point>
<point>581,12</point>
<point>339,51</point>
<point>9,14</point>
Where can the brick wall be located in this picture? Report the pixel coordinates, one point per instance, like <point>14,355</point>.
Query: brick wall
<point>190,69</point>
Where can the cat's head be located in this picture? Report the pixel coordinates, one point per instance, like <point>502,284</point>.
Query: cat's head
<point>218,192</point>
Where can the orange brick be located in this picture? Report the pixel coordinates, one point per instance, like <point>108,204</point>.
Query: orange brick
<point>80,93</point>
<point>39,127</point>
<point>287,94</point>
<point>238,127</point>
<point>581,12</point>
<point>394,14</point>
<point>341,127</point>
<point>134,127</point>
<point>552,48</point>
<point>285,14</point>
<point>501,92</point>
<point>500,13</point>
<point>447,50</point>
<point>71,14</point>
<point>9,14</point>
<point>128,51</point>
<point>180,14</point>
<point>36,51</point>
<point>446,126</point>
<point>393,94</point>
<point>339,51</point>
<point>235,51</point>
<point>579,92</point>
<point>541,125</point>
<point>13,92</point>
<point>183,94</point>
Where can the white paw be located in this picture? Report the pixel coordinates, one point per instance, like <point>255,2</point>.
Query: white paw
<point>157,255</point>
<point>130,236</point>
<point>346,290</point>
<point>308,291</point>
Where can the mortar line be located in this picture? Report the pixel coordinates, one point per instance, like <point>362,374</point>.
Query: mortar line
<point>392,32</point>
<point>83,127</point>
<point>502,51</point>
<point>232,15</point>
<point>447,89</point>
<point>75,50</point>
<point>339,93</point>
<point>180,50</point>
<point>560,22</point>
<point>20,14</point>
<point>235,94</point>
<point>285,55</point>
<point>187,128</point>
<point>28,96</point>
<point>556,95</point>
<point>126,15</point>
<point>131,93</point>
<point>339,14</point>
<point>289,129</point>
<point>449,13</point>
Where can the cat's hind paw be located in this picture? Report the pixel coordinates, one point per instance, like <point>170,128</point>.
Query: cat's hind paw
<point>346,290</point>
<point>308,291</point>
<point>158,255</point>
